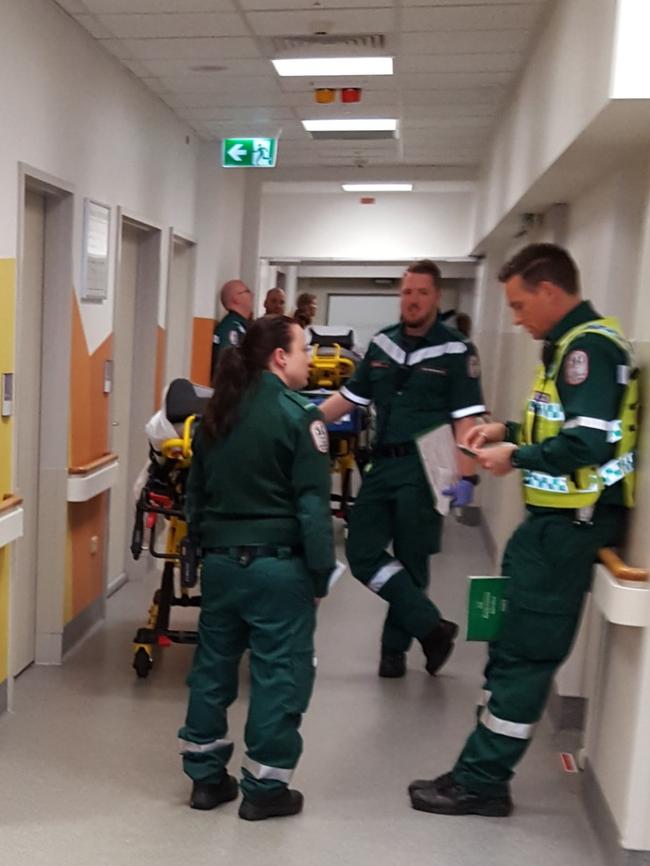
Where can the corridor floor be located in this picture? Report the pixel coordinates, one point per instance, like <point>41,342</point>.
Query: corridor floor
<point>91,775</point>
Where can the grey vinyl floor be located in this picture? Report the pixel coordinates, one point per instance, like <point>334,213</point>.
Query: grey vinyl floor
<point>89,771</point>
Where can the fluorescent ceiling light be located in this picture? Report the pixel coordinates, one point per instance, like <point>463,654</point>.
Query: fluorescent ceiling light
<point>328,66</point>
<point>377,187</point>
<point>351,124</point>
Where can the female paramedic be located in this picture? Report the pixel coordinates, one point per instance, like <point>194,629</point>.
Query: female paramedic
<point>258,506</point>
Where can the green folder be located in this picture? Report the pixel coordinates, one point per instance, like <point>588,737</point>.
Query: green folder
<point>485,607</point>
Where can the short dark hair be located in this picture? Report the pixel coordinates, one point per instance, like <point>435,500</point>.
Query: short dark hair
<point>426,266</point>
<point>538,262</point>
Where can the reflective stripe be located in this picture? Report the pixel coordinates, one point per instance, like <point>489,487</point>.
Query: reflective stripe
<point>384,575</point>
<point>435,352</point>
<point>622,374</point>
<point>470,410</point>
<point>484,697</point>
<point>550,411</point>
<point>516,730</point>
<point>615,470</point>
<point>188,747</point>
<point>614,429</point>
<point>262,771</point>
<point>353,398</point>
<point>390,348</point>
<point>544,481</point>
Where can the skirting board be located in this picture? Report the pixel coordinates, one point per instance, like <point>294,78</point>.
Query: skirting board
<point>77,629</point>
<point>604,825</point>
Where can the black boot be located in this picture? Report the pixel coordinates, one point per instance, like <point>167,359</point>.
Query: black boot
<point>443,796</point>
<point>392,664</point>
<point>286,802</point>
<point>209,795</point>
<point>438,644</point>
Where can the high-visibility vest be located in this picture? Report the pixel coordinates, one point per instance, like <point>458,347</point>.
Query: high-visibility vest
<point>545,417</point>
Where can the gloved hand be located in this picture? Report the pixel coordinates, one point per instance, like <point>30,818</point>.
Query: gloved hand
<point>461,493</point>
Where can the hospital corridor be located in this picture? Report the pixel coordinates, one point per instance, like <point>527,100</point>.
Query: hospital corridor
<point>324,439</point>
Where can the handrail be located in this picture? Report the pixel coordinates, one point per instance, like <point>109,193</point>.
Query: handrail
<point>10,500</point>
<point>613,562</point>
<point>93,465</point>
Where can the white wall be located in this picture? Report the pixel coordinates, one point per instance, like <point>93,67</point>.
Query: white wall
<point>401,226</point>
<point>72,111</point>
<point>566,83</point>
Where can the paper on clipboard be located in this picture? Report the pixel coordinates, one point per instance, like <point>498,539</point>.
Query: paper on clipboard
<point>438,455</point>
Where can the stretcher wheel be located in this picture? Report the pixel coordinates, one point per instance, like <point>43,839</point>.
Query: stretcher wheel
<point>142,663</point>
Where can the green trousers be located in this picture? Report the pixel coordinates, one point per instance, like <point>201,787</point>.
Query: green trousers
<point>549,560</point>
<point>267,606</point>
<point>395,504</point>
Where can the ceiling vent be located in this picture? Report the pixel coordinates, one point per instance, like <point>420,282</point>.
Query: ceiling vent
<point>326,45</point>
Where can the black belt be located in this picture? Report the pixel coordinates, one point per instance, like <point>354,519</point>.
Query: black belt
<point>247,552</point>
<point>399,449</point>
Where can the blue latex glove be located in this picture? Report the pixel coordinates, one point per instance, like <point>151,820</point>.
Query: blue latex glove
<point>462,493</point>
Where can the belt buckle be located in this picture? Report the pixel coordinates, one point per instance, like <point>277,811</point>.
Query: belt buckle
<point>244,556</point>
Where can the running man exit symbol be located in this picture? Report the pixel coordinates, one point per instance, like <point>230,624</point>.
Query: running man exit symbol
<point>249,152</point>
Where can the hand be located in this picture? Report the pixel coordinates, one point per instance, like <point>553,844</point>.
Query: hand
<point>497,459</point>
<point>461,493</point>
<point>481,434</point>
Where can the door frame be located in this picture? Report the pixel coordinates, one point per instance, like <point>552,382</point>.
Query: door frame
<point>58,285</point>
<point>152,270</point>
<point>173,236</point>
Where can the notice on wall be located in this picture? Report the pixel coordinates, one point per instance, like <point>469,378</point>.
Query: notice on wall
<point>94,265</point>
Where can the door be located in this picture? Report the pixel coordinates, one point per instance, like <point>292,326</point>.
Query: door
<point>179,310</point>
<point>28,406</point>
<point>134,357</point>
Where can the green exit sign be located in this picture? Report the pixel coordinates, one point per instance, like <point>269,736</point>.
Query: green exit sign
<point>249,152</point>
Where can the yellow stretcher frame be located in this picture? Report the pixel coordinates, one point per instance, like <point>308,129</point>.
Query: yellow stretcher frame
<point>329,371</point>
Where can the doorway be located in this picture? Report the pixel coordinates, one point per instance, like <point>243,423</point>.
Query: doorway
<point>42,417</point>
<point>180,308</point>
<point>134,375</point>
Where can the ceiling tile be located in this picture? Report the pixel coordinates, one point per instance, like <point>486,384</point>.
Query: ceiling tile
<point>74,7</point>
<point>501,62</point>
<point>310,6</point>
<point>465,41</point>
<point>495,16</point>
<point>93,26</point>
<point>452,80</point>
<point>222,100</point>
<point>331,20</point>
<point>108,7</point>
<point>235,86</point>
<point>191,49</point>
<point>231,67</point>
<point>174,25</point>
<point>238,115</point>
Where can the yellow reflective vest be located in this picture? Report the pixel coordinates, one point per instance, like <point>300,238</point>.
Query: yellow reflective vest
<point>545,417</point>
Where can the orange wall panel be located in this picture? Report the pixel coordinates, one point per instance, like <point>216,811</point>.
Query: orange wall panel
<point>88,403</point>
<point>87,520</point>
<point>201,350</point>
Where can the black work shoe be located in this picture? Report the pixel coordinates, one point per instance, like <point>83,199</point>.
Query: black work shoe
<point>287,802</point>
<point>442,782</point>
<point>438,644</point>
<point>209,795</point>
<point>449,798</point>
<point>392,665</point>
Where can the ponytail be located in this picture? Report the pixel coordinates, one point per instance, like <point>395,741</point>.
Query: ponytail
<point>239,369</point>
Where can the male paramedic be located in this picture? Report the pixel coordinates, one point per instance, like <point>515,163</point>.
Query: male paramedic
<point>237,299</point>
<point>419,374</point>
<point>575,450</point>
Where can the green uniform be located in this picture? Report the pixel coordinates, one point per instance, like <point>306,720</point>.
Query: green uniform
<point>266,486</point>
<point>229,332</point>
<point>416,384</point>
<point>550,557</point>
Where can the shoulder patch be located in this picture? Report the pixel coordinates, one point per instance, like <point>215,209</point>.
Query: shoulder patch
<point>473,366</point>
<point>319,436</point>
<point>234,337</point>
<point>576,367</point>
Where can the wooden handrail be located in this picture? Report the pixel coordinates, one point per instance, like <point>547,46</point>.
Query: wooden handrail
<point>9,501</point>
<point>618,568</point>
<point>93,465</point>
